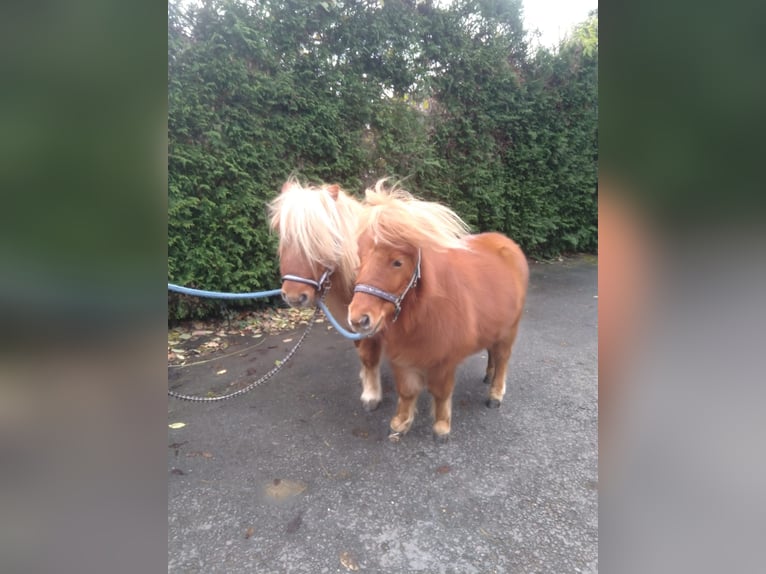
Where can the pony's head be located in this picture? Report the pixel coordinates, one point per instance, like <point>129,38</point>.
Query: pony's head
<point>316,227</point>
<point>395,231</point>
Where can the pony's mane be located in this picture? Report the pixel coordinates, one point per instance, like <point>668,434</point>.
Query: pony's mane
<point>321,226</point>
<point>394,216</point>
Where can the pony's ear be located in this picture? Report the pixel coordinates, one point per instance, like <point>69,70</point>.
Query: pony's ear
<point>333,190</point>
<point>288,185</point>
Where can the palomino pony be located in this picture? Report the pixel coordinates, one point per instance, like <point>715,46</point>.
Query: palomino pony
<point>435,295</point>
<point>318,257</point>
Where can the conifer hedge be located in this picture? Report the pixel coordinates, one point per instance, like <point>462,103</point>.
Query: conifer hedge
<point>451,100</point>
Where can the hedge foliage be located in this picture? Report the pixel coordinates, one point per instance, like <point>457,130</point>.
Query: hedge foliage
<point>452,100</point>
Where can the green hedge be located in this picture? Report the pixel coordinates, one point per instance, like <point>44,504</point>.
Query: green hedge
<point>451,100</point>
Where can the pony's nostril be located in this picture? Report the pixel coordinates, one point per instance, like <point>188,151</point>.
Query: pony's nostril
<point>284,297</point>
<point>303,299</point>
<point>364,321</point>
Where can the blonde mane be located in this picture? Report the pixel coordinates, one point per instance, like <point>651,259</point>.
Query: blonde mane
<point>394,216</point>
<point>322,227</point>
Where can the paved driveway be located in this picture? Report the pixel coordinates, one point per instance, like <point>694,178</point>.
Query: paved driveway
<point>296,477</point>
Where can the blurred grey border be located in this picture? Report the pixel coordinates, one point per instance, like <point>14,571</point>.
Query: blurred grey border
<point>83,139</point>
<point>682,463</point>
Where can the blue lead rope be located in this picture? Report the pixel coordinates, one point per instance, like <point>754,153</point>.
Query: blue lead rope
<point>220,295</point>
<point>341,330</point>
<point>260,295</point>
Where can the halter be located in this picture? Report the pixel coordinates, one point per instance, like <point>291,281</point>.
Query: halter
<point>322,284</point>
<point>386,296</point>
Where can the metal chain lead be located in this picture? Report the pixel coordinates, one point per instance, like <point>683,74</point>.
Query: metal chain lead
<point>254,384</point>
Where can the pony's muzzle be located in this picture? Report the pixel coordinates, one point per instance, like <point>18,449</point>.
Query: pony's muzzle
<point>295,301</point>
<point>362,324</point>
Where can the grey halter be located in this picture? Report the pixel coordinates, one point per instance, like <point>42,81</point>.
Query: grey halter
<point>386,296</point>
<point>318,285</point>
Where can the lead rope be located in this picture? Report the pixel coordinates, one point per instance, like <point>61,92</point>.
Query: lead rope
<point>254,384</point>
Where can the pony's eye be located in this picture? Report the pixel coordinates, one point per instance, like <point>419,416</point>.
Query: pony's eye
<point>397,263</point>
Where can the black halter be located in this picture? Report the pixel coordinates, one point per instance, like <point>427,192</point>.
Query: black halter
<point>320,285</point>
<point>386,296</point>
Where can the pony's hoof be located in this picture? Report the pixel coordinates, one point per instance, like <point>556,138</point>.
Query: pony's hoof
<point>492,403</point>
<point>441,438</point>
<point>370,405</point>
<point>394,436</point>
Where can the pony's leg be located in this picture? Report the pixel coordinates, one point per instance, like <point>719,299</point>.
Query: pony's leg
<point>490,374</point>
<point>409,384</point>
<point>502,354</point>
<point>369,351</point>
<point>441,385</point>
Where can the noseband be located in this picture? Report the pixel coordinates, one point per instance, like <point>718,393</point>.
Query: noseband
<point>386,296</point>
<point>321,285</point>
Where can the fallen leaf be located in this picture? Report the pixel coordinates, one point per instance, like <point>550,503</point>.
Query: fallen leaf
<point>249,532</point>
<point>360,433</point>
<point>177,471</point>
<point>348,561</point>
<point>280,489</point>
<point>185,336</point>
<point>221,372</point>
<point>287,340</point>
<point>177,425</point>
<point>200,453</point>
<point>444,469</point>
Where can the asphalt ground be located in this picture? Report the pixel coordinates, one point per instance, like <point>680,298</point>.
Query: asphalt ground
<point>295,476</point>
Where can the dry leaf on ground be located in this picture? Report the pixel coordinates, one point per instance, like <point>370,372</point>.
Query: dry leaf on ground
<point>280,489</point>
<point>348,561</point>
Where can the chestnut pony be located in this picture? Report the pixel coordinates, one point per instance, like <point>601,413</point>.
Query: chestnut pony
<point>318,256</point>
<point>435,295</point>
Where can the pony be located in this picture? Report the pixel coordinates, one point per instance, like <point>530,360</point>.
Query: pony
<point>318,258</point>
<point>434,294</point>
